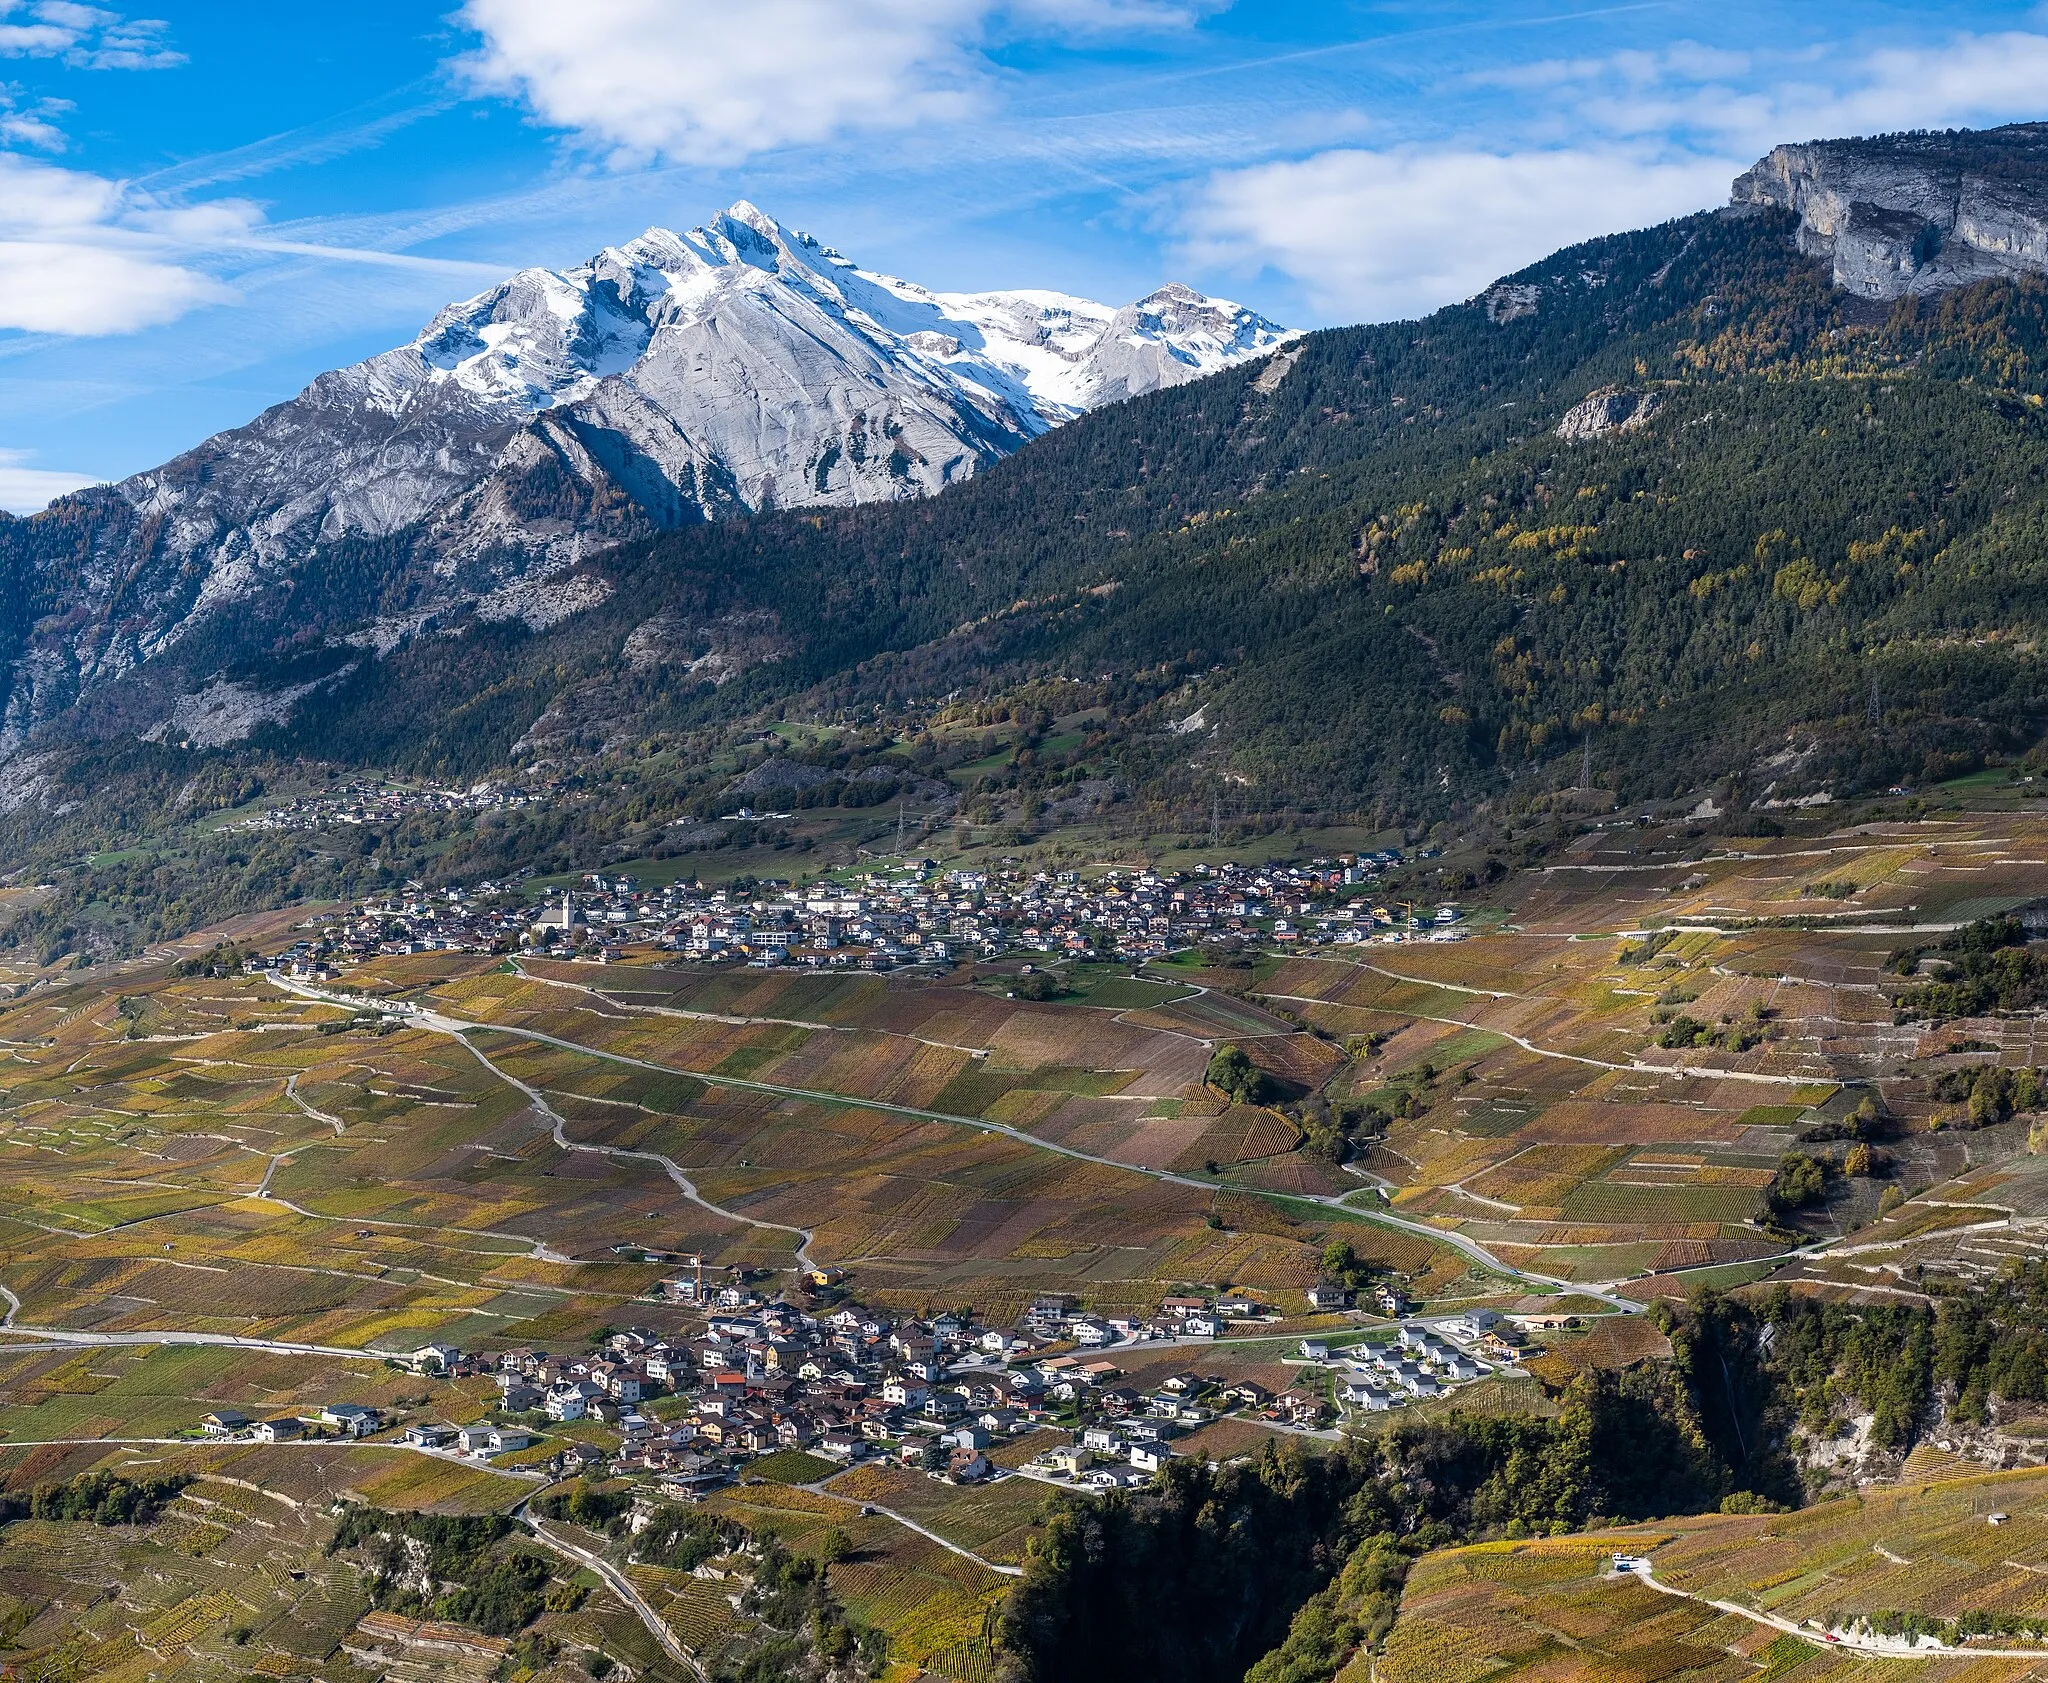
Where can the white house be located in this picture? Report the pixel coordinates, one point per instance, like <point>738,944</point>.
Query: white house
<point>1475,1323</point>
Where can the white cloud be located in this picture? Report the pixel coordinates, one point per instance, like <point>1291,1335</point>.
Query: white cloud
<point>1091,16</point>
<point>87,36</point>
<point>24,489</point>
<point>1969,79</point>
<point>1600,144</point>
<point>31,125</point>
<point>1381,235</point>
<point>1755,100</point>
<point>711,82</point>
<point>32,40</point>
<point>705,81</point>
<point>79,254</point>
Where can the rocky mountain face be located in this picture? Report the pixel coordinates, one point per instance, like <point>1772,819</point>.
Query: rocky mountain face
<point>1914,213</point>
<point>674,379</point>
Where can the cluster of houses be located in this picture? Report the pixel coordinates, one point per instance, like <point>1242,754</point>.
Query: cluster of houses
<point>341,1420</point>
<point>761,1377</point>
<point>1421,1361</point>
<point>885,919</point>
<point>1059,1317</point>
<point>923,913</point>
<point>882,920</point>
<point>755,1377</point>
<point>364,801</point>
<point>941,1395</point>
<point>1131,1435</point>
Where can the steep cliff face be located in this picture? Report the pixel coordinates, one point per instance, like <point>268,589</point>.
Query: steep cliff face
<point>1914,213</point>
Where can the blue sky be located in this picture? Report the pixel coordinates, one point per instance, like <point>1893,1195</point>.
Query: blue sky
<point>204,206</point>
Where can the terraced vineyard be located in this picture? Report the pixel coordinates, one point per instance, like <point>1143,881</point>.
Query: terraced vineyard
<point>487,1160</point>
<point>1555,1610</point>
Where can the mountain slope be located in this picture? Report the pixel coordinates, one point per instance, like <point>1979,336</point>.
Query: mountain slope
<point>674,379</point>
<point>1389,582</point>
<point>1668,512</point>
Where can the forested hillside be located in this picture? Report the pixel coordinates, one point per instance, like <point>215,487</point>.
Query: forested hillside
<point>1369,579</point>
<point>1393,542</point>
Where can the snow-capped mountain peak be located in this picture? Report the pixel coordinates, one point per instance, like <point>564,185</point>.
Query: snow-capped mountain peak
<point>546,337</point>
<point>675,377</point>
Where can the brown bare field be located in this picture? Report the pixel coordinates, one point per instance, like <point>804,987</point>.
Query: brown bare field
<point>407,1187</point>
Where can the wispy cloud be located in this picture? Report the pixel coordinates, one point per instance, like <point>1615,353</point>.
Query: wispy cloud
<point>82,255</point>
<point>25,489</point>
<point>1754,99</point>
<point>32,123</point>
<point>360,127</point>
<point>89,37</point>
<point>455,268</point>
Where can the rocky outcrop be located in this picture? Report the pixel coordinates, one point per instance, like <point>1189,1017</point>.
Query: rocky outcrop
<point>1914,213</point>
<point>1611,409</point>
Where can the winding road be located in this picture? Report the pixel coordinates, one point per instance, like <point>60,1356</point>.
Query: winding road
<point>460,1027</point>
<point>1885,1647</point>
<point>823,1488</point>
<point>61,1338</point>
<point>1634,1067</point>
<point>621,1585</point>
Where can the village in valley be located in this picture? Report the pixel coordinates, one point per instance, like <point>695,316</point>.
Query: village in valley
<point>887,1216</point>
<point>737,970</point>
<point>763,1368</point>
<point>879,920</point>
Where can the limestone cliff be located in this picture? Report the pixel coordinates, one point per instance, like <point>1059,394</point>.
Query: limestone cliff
<point>1914,213</point>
